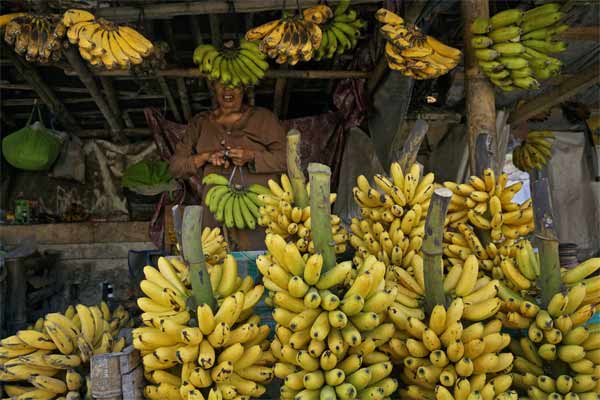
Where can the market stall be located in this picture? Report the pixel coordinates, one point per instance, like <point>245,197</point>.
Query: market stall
<point>299,200</point>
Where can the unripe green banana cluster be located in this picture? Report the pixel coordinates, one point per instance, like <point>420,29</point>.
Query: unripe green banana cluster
<point>245,65</point>
<point>237,207</point>
<point>341,33</point>
<point>51,358</point>
<point>513,46</point>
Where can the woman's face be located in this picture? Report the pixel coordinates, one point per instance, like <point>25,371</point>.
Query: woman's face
<point>228,97</point>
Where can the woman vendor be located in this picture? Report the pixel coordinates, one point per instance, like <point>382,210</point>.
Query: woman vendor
<point>232,135</point>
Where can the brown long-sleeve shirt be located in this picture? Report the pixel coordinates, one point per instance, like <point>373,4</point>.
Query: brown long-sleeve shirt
<point>258,130</point>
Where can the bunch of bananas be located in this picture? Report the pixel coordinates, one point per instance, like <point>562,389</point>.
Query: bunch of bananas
<point>245,65</point>
<point>292,39</point>
<point>534,152</point>
<point>513,46</point>
<point>487,204</point>
<point>153,62</point>
<point>280,216</point>
<point>37,37</point>
<point>222,352</point>
<point>49,359</point>
<point>393,215</point>
<point>103,43</point>
<point>341,33</point>
<point>237,207</point>
<point>330,331</point>
<point>413,53</point>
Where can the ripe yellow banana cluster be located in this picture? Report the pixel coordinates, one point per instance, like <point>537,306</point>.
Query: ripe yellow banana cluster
<point>341,33</point>
<point>292,39</point>
<point>486,203</point>
<point>393,215</point>
<point>512,47</point>
<point>332,340</point>
<point>446,361</point>
<point>37,37</point>
<point>245,65</point>
<point>215,249</point>
<point>103,43</point>
<point>534,152</point>
<point>220,354</point>
<point>413,53</point>
<point>49,359</point>
<point>280,216</point>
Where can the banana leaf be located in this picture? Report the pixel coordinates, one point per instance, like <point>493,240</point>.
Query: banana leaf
<point>146,174</point>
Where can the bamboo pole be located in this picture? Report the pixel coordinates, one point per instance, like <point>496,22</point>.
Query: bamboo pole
<point>547,240</point>
<point>164,87</point>
<point>480,100</point>
<point>320,213</point>
<point>432,249</point>
<point>294,169</point>
<point>191,234</point>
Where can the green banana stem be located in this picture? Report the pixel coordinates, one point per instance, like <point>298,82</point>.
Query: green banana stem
<point>202,291</point>
<point>550,281</point>
<point>294,169</point>
<point>432,249</point>
<point>320,213</point>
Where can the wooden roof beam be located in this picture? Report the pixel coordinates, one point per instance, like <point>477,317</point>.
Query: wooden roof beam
<point>550,98</point>
<point>33,77</point>
<point>170,10</point>
<point>87,78</point>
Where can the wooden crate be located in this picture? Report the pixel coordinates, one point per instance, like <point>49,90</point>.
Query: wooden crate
<point>117,376</point>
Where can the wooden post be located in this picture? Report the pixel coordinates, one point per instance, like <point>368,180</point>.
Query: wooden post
<point>191,232</point>
<point>549,281</point>
<point>88,81</point>
<point>411,146</point>
<point>164,87</point>
<point>33,77</point>
<point>111,97</point>
<point>320,213</point>
<point>294,169</point>
<point>432,249</point>
<point>183,97</point>
<point>481,103</point>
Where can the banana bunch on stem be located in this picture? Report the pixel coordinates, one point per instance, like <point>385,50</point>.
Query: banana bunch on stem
<point>36,37</point>
<point>534,152</point>
<point>393,215</point>
<point>281,216</point>
<point>214,246</point>
<point>236,206</point>
<point>245,65</point>
<point>413,53</point>
<point>213,354</point>
<point>330,333</point>
<point>341,33</point>
<point>103,43</point>
<point>486,203</point>
<point>292,38</point>
<point>513,46</point>
<point>50,358</point>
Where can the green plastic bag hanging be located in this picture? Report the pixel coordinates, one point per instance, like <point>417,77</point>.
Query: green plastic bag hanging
<point>32,148</point>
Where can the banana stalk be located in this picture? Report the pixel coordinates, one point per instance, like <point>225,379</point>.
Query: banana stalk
<point>295,170</point>
<point>202,291</point>
<point>550,279</point>
<point>432,249</point>
<point>320,217</point>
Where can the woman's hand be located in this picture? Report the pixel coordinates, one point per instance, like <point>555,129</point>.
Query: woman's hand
<point>201,159</point>
<point>218,159</point>
<point>241,157</point>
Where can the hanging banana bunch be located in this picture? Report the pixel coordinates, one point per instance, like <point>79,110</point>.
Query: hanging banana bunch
<point>341,33</point>
<point>37,37</point>
<point>245,65</point>
<point>223,354</point>
<point>413,53</point>
<point>534,152</point>
<point>236,207</point>
<point>513,46</point>
<point>280,215</point>
<point>103,43</point>
<point>292,38</point>
<point>51,358</point>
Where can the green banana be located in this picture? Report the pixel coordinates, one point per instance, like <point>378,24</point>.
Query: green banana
<point>260,63</point>
<point>543,9</point>
<point>504,34</point>
<point>505,18</point>
<point>546,46</point>
<point>348,17</point>
<point>541,21</point>
<point>258,189</point>
<point>498,75</point>
<point>347,29</point>
<point>341,38</point>
<point>341,8</point>
<point>250,205</point>
<point>207,61</point>
<point>200,52</point>
<point>545,33</point>
<point>225,72</point>
<point>238,219</point>
<point>248,216</point>
<point>228,211</point>
<point>527,83</point>
<point>220,213</point>
<point>214,179</point>
<point>490,66</point>
<point>514,62</point>
<point>481,42</point>
<point>480,26</point>
<point>216,68</point>
<point>509,49</point>
<point>521,72</point>
<point>217,197</point>
<point>486,54</point>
